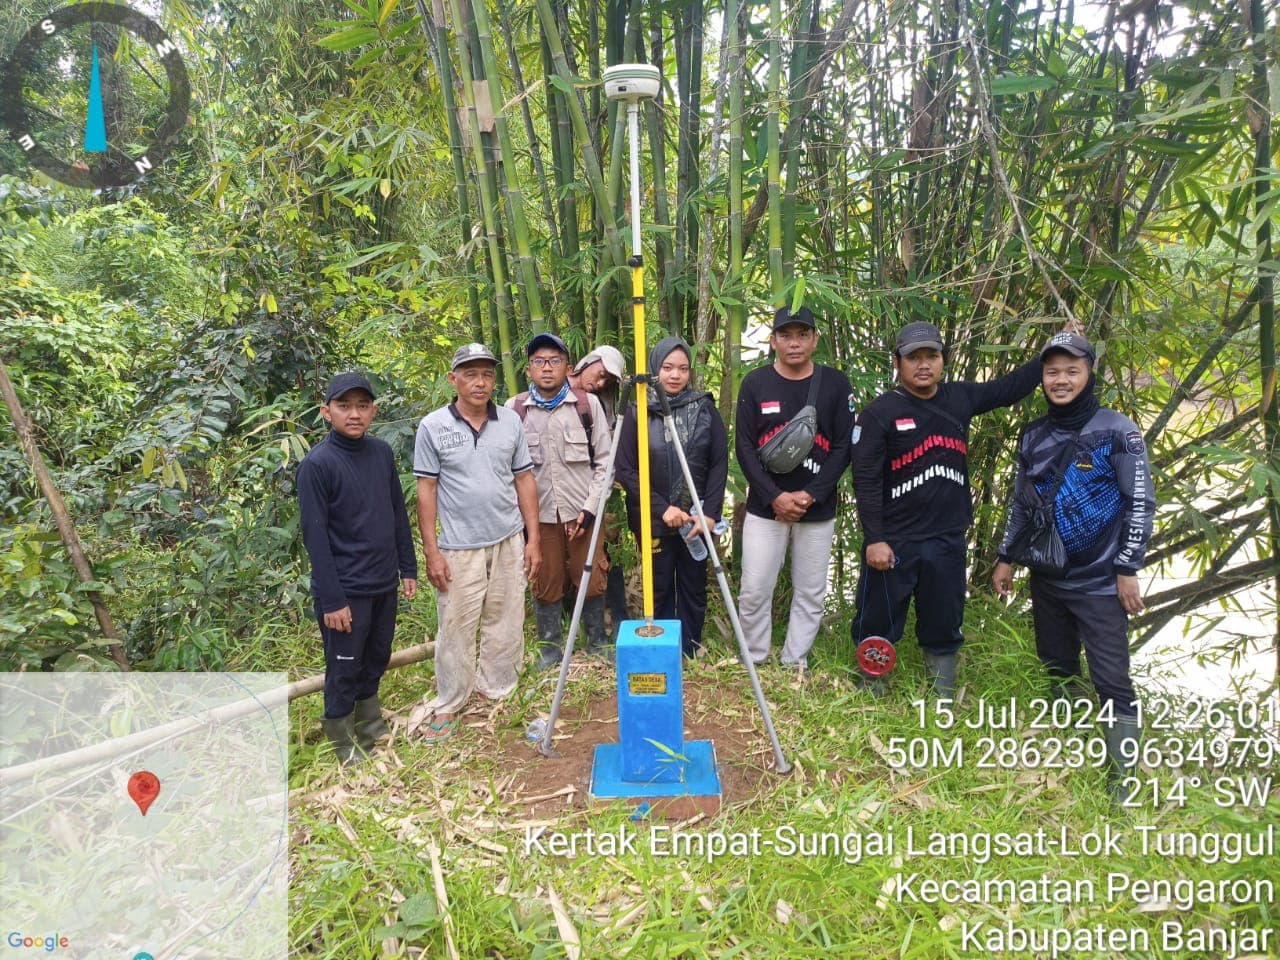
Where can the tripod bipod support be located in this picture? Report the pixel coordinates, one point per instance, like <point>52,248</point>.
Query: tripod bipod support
<point>668,421</point>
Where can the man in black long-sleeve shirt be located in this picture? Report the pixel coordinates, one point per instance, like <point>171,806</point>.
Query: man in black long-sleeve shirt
<point>911,481</point>
<point>356,532</point>
<point>796,509</point>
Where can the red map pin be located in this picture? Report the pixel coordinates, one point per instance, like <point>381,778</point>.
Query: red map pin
<point>144,787</point>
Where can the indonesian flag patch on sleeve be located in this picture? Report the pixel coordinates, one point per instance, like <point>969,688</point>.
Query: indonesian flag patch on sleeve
<point>904,424</point>
<point>770,406</point>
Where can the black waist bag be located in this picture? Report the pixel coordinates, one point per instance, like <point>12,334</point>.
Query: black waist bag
<point>1038,546</point>
<point>789,446</point>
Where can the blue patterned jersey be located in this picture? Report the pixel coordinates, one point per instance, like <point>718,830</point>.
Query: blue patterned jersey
<point>1105,504</point>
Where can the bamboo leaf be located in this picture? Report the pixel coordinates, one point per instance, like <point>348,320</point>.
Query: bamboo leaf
<point>1010,85</point>
<point>387,7</point>
<point>349,39</point>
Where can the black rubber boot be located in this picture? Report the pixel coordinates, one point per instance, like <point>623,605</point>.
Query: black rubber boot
<point>369,725</point>
<point>940,668</point>
<point>341,733</point>
<point>615,595</point>
<point>1122,737</point>
<point>598,644</point>
<point>550,634</point>
<point>878,687</point>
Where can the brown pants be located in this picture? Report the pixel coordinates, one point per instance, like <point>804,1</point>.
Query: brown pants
<point>564,559</point>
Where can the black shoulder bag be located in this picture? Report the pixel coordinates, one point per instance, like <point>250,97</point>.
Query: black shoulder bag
<point>1037,545</point>
<point>785,450</point>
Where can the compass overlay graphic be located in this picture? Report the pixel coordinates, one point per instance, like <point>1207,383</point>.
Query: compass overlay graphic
<point>94,95</point>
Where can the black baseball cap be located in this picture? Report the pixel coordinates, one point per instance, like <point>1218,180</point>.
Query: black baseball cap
<point>920,335</point>
<point>802,317</point>
<point>349,380</point>
<point>1071,343</point>
<point>543,340</point>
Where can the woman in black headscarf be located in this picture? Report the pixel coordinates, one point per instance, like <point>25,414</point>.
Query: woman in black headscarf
<point>679,581</point>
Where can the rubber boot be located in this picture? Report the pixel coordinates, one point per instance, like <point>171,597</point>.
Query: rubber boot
<point>940,668</point>
<point>1069,690</point>
<point>598,644</point>
<point>341,733</point>
<point>615,594</point>
<point>1122,737</point>
<point>370,727</point>
<point>878,687</point>
<point>550,634</point>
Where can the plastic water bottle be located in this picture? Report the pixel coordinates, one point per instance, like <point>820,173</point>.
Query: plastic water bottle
<point>536,730</point>
<point>697,546</point>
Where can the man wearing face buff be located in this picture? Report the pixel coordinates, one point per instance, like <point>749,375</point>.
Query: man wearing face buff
<point>679,581</point>
<point>1103,510</point>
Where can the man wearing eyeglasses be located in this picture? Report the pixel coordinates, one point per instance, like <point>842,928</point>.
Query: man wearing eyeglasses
<point>568,437</point>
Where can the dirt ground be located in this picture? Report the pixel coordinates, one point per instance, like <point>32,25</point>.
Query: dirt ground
<point>718,706</point>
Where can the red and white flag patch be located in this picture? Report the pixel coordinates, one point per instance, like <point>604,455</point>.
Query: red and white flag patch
<point>904,424</point>
<point>771,406</point>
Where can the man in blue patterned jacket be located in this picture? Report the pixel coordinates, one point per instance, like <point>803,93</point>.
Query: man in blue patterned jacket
<point>1103,509</point>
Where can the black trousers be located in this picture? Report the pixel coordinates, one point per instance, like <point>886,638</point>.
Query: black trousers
<point>680,590</point>
<point>355,662</point>
<point>932,571</point>
<point>1064,620</point>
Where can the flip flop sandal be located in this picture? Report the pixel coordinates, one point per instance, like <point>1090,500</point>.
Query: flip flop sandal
<point>439,730</point>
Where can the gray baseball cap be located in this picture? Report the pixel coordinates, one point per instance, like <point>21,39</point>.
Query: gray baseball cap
<point>472,351</point>
<point>920,335</point>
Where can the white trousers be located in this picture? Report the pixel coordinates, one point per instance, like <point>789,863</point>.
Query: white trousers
<point>486,593</point>
<point>764,551</point>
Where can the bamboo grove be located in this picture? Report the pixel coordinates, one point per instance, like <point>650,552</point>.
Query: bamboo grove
<point>994,168</point>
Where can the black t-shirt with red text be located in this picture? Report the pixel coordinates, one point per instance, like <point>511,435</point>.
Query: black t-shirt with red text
<point>766,403</point>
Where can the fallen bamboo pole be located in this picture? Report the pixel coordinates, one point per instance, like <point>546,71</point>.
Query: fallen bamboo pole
<point>66,529</point>
<point>118,746</point>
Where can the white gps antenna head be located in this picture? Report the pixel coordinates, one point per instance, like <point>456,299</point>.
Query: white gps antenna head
<point>632,82</point>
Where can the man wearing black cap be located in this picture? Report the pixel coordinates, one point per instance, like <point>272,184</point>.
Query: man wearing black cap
<point>568,439</point>
<point>1092,463</point>
<point>356,532</point>
<point>475,479</point>
<point>790,505</point>
<point>911,481</point>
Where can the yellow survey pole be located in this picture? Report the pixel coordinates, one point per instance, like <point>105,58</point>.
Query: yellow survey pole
<point>642,365</point>
<point>642,421</point>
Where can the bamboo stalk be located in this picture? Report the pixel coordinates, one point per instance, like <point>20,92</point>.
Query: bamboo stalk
<point>773,162</point>
<point>529,286</point>
<point>118,746</point>
<point>535,146</point>
<point>590,159</point>
<point>488,205</point>
<point>433,26</point>
<point>657,131</point>
<point>66,528</point>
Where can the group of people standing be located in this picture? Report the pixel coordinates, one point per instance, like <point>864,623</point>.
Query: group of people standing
<point>509,495</point>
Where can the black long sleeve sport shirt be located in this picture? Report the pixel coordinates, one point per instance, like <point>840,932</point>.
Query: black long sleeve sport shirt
<point>910,456</point>
<point>354,523</point>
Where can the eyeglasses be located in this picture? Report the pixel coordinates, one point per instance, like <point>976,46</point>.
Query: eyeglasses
<point>545,361</point>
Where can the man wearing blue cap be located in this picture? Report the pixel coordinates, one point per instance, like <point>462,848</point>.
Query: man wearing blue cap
<point>568,438</point>
<point>356,532</point>
<point>1091,463</point>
